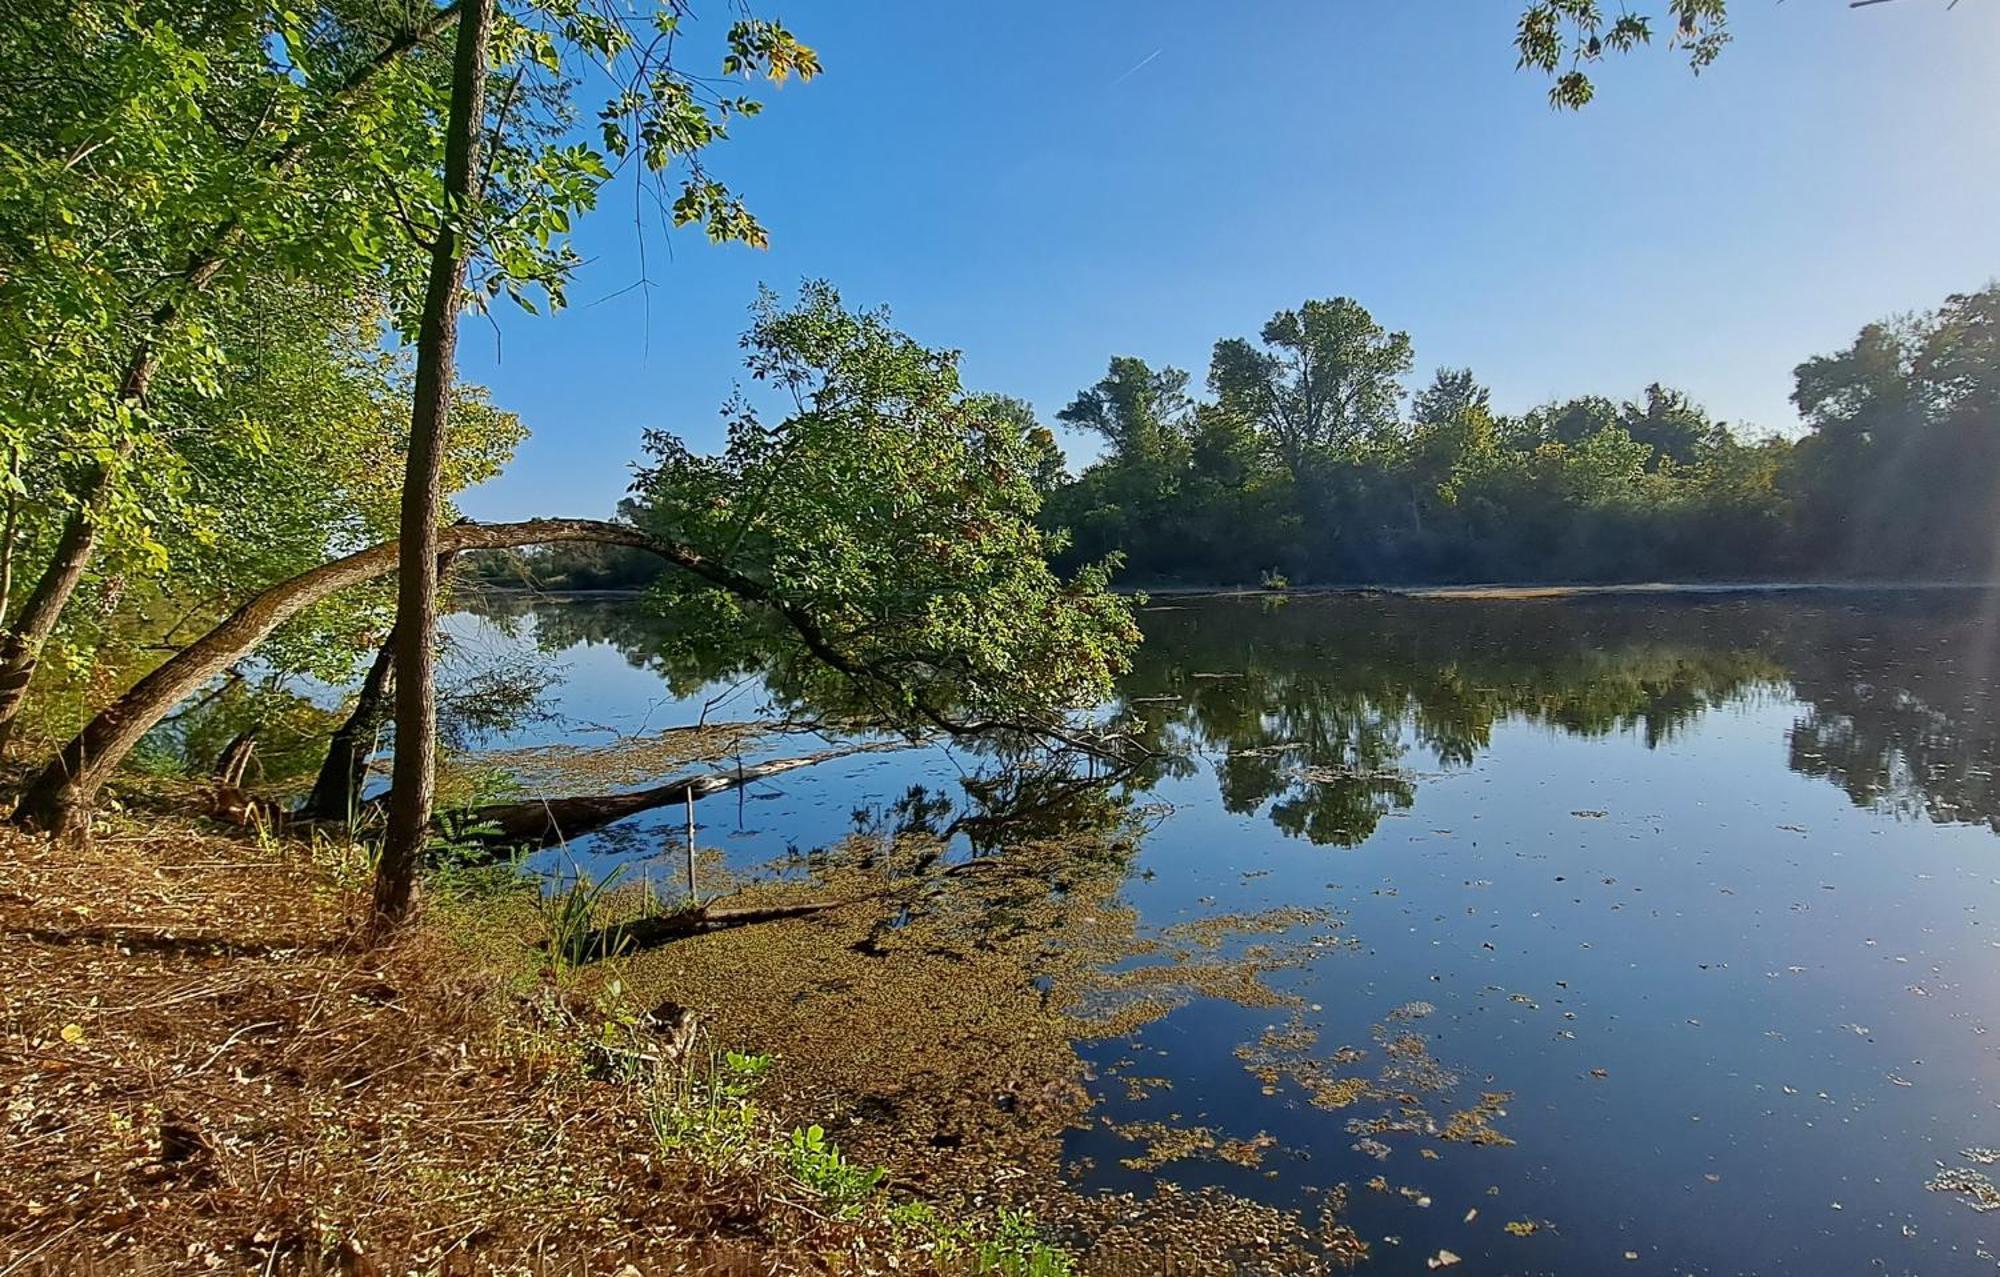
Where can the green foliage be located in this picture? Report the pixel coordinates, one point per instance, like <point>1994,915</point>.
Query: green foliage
<point>1011,1245</point>
<point>1899,475</point>
<point>705,1109</point>
<point>1303,469</point>
<point>818,1165</point>
<point>568,913</point>
<point>897,513</point>
<point>460,864</point>
<point>1560,37</point>
<point>210,215</point>
<point>1325,380</point>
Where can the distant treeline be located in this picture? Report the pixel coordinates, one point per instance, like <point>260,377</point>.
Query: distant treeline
<point>1305,464</point>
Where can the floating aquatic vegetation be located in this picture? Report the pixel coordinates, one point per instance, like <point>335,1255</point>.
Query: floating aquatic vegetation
<point>1475,1125</point>
<point>1164,1143</point>
<point>1971,1186</point>
<point>623,763</point>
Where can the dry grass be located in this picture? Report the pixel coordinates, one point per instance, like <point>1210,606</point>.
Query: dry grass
<point>202,1074</point>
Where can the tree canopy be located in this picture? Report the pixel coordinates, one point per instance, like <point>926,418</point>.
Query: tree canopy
<point>1305,467</point>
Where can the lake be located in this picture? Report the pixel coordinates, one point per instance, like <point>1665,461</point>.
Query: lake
<point>1655,934</point>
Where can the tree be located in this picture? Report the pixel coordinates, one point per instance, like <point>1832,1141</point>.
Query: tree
<point>1670,423</point>
<point>899,512</point>
<point>1559,37</point>
<point>1899,474</point>
<point>1141,414</point>
<point>876,548</point>
<point>1453,393</point>
<point>415,672</point>
<point>150,151</point>
<point>1326,378</point>
<point>513,228</point>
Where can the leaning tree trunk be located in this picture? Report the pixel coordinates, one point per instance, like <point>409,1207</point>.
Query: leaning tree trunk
<point>21,648</point>
<point>336,792</point>
<point>416,578</point>
<point>58,800</point>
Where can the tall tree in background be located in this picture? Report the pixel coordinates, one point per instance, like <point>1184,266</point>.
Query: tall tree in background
<point>1901,475</point>
<point>1138,412</point>
<point>1326,376</point>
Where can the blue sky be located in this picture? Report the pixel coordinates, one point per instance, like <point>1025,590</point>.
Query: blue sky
<point>1045,185</point>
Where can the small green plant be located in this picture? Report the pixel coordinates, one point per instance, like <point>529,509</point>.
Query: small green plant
<point>1013,1245</point>
<point>817,1163</point>
<point>568,914</point>
<point>1017,1248</point>
<point>706,1109</point>
<point>464,865</point>
<point>1272,579</point>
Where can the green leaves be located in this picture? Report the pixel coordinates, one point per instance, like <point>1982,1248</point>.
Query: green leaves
<point>897,512</point>
<point>1325,381</point>
<point>1556,37</point>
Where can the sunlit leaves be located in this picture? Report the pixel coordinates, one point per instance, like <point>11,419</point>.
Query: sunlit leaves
<point>896,510</point>
<point>1557,37</point>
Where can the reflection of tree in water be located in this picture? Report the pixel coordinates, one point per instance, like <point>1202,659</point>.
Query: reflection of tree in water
<point>644,635</point>
<point>1326,708</point>
<point>1325,712</point>
<point>1902,709</point>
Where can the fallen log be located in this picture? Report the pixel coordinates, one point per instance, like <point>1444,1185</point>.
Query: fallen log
<point>547,821</point>
<point>650,933</point>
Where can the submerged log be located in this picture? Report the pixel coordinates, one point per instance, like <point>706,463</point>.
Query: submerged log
<point>547,821</point>
<point>650,933</point>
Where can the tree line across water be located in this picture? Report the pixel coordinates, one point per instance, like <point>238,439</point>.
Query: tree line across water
<point>1307,461</point>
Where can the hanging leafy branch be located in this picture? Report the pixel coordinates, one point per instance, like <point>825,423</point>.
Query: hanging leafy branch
<point>1561,37</point>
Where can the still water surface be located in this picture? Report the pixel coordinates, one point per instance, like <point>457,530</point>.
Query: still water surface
<point>1707,887</point>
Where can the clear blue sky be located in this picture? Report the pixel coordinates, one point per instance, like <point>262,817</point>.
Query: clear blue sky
<point>1044,185</point>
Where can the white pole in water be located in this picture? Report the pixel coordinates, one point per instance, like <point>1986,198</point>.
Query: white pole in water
<point>693,893</point>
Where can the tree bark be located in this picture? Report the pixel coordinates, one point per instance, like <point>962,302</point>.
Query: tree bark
<point>21,649</point>
<point>430,419</point>
<point>336,792</point>
<point>58,800</point>
<point>10,535</point>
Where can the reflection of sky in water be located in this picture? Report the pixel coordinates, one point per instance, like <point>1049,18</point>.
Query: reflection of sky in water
<point>1788,983</point>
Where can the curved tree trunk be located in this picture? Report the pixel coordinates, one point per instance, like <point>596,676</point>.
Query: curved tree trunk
<point>58,800</point>
<point>336,792</point>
